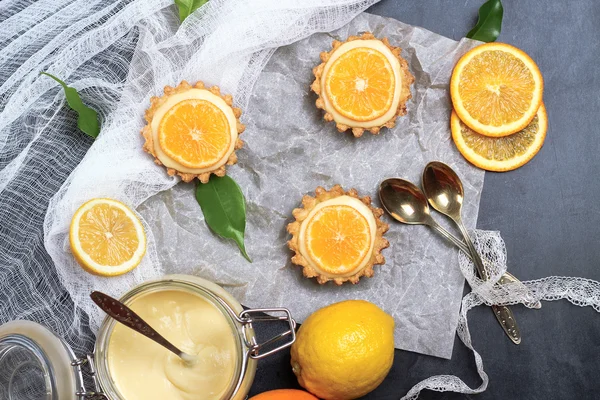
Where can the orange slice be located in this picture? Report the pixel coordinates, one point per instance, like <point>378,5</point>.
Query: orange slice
<point>496,89</point>
<point>107,238</point>
<point>195,133</point>
<point>338,238</point>
<point>502,153</point>
<point>360,84</point>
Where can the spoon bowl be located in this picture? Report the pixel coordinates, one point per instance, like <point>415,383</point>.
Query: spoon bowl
<point>404,202</point>
<point>443,189</point>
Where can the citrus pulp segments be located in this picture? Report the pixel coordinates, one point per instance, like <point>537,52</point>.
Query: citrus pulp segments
<point>337,237</point>
<point>361,98</point>
<point>85,260</point>
<point>195,133</point>
<point>491,163</point>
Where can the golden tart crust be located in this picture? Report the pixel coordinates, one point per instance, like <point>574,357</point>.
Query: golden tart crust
<point>309,269</point>
<point>156,104</point>
<point>402,89</point>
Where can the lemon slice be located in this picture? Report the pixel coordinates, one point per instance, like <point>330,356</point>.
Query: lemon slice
<point>107,238</point>
<point>502,153</point>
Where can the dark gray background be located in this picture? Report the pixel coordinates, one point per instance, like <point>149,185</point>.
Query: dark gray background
<point>548,212</point>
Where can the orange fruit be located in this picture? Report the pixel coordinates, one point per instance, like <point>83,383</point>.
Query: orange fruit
<point>360,84</point>
<point>284,394</point>
<point>338,238</point>
<point>502,153</point>
<point>195,133</point>
<point>496,89</point>
<point>107,238</point>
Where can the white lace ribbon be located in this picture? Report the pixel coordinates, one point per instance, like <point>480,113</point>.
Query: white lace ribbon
<point>579,291</point>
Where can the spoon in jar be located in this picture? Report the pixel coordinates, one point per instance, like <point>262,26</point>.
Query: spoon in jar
<point>445,193</point>
<point>406,203</point>
<point>123,314</point>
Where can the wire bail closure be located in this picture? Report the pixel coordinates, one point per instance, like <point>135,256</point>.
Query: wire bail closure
<point>82,393</point>
<point>251,316</point>
<point>248,317</point>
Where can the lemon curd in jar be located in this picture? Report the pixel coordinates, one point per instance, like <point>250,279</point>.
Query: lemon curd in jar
<point>142,369</point>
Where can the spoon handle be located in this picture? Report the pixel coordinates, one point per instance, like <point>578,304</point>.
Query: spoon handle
<point>456,241</point>
<point>503,314</point>
<point>123,314</point>
<point>507,277</point>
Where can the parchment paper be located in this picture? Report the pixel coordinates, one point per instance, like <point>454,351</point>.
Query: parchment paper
<point>290,151</point>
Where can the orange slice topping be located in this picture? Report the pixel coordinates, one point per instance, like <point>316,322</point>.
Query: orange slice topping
<point>195,133</point>
<point>360,84</point>
<point>338,238</point>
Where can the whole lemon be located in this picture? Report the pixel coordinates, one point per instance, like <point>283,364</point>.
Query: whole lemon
<point>344,351</point>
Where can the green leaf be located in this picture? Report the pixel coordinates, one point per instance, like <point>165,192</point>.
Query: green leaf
<point>87,118</point>
<point>489,24</point>
<point>186,7</point>
<point>224,208</point>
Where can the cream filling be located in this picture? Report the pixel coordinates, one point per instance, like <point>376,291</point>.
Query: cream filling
<point>141,369</point>
<point>372,44</point>
<point>198,94</point>
<point>339,201</point>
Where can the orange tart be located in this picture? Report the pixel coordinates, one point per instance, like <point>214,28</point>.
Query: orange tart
<point>362,84</point>
<point>193,131</point>
<point>337,236</point>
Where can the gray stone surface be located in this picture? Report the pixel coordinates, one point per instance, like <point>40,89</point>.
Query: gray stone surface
<point>548,212</point>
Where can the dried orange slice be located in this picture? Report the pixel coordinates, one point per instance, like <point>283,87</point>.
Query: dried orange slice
<point>363,84</point>
<point>193,131</point>
<point>107,238</point>
<point>503,153</point>
<point>360,84</point>
<point>496,89</point>
<point>337,236</point>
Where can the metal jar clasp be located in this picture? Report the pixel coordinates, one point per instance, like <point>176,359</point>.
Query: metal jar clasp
<point>249,317</point>
<point>82,393</point>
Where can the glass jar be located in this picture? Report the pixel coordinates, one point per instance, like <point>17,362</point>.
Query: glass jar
<point>37,364</point>
<point>59,372</point>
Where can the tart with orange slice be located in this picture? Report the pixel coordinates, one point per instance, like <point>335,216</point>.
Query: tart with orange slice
<point>362,84</point>
<point>337,236</point>
<point>193,131</point>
